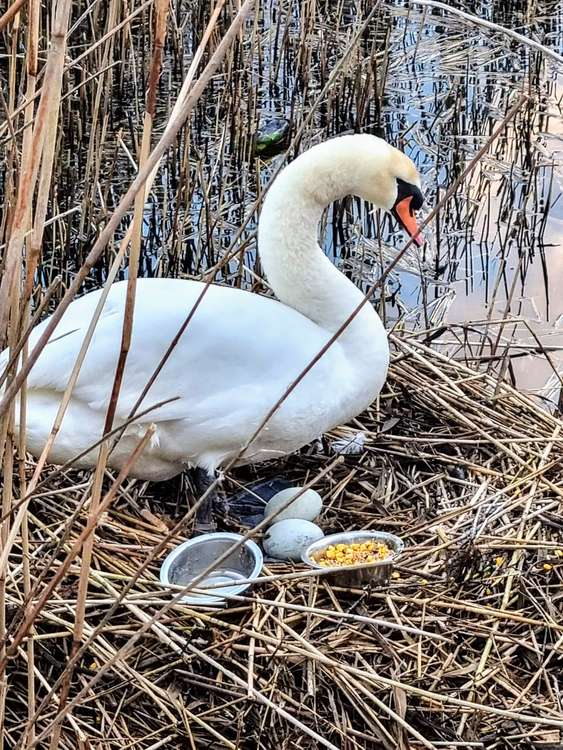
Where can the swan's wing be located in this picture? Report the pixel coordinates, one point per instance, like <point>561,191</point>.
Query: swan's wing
<point>54,366</point>
<point>236,343</point>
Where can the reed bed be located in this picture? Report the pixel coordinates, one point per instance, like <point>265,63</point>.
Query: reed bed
<point>451,468</point>
<point>127,148</point>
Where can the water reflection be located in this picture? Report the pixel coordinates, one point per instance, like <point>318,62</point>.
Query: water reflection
<point>494,253</point>
<point>432,85</point>
<point>522,280</point>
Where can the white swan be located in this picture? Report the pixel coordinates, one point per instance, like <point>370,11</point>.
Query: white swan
<point>241,350</point>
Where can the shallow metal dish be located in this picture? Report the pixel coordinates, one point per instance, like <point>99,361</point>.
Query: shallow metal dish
<point>190,559</point>
<point>357,575</point>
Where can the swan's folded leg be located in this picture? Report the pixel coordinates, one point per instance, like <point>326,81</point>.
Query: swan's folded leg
<point>202,481</point>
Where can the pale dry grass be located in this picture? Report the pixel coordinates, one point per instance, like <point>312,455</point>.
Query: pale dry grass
<point>463,648</point>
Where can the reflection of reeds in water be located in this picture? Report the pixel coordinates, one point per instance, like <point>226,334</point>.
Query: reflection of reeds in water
<point>456,461</point>
<point>437,99</point>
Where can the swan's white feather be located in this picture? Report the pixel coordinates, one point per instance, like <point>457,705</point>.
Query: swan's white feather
<point>235,359</point>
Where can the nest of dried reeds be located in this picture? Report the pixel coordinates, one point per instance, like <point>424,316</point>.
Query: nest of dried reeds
<point>463,647</point>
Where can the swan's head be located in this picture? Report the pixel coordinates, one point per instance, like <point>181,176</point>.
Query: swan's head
<point>368,167</point>
<point>387,178</point>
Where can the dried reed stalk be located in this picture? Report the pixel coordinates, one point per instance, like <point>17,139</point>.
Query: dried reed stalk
<point>154,73</point>
<point>31,616</point>
<point>44,138</point>
<point>473,19</point>
<point>14,8</point>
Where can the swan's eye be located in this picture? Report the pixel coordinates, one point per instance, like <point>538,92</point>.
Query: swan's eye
<point>417,199</point>
<point>408,190</point>
<point>409,200</point>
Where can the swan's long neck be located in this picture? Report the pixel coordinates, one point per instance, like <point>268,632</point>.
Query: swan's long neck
<point>297,269</point>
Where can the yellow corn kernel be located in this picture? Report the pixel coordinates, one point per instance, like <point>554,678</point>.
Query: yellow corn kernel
<point>547,566</point>
<point>354,553</point>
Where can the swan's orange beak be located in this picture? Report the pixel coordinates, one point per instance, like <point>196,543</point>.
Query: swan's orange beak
<point>404,214</point>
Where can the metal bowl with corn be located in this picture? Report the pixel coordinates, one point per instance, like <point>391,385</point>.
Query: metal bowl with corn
<point>357,557</point>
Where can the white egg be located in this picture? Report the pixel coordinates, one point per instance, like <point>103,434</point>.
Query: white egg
<point>288,539</point>
<point>307,507</point>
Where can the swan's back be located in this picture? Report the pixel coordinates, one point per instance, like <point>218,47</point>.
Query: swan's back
<point>234,339</point>
<point>236,358</point>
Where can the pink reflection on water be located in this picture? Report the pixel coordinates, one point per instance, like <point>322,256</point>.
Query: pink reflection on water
<point>533,372</point>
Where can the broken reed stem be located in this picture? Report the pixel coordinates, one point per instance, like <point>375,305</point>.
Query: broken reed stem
<point>148,623</point>
<point>52,289</point>
<point>50,140</point>
<point>77,60</point>
<point>65,400</point>
<point>121,654</point>
<point>7,489</point>
<point>44,136</point>
<point>26,552</point>
<point>99,474</point>
<point>32,53</point>
<point>392,714</point>
<point>13,308</point>
<point>335,615</point>
<point>308,649</point>
<point>515,565</point>
<point>144,173</point>
<point>60,470</point>
<point>86,551</point>
<point>14,8</point>
<point>133,267</point>
<point>189,102</point>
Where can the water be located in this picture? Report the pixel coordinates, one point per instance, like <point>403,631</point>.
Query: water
<point>494,253</point>
<point>203,554</point>
<point>183,576</point>
<point>428,83</point>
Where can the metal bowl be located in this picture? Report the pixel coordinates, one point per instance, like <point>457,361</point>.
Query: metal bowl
<point>357,575</point>
<point>190,559</point>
